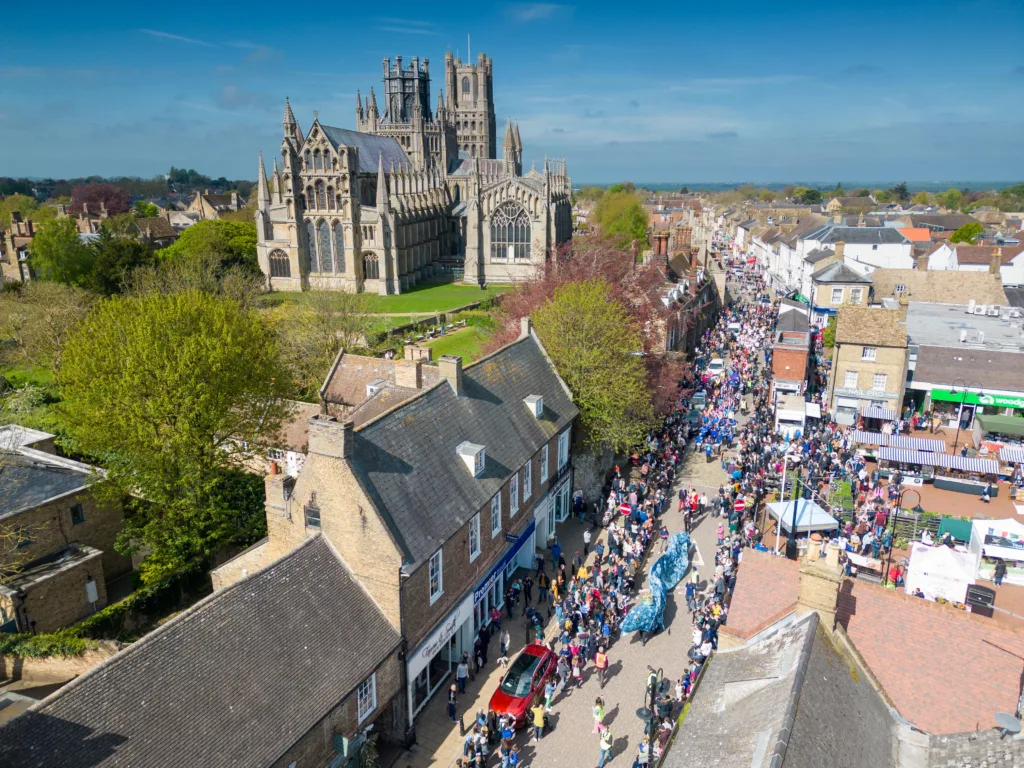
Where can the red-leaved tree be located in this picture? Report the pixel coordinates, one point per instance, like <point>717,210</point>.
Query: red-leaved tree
<point>115,199</point>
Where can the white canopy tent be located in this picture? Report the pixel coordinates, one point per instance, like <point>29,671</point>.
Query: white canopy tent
<point>1003,539</point>
<point>940,572</point>
<point>809,517</point>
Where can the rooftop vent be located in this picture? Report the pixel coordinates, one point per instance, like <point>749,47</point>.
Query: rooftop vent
<point>375,386</point>
<point>536,405</point>
<point>473,455</point>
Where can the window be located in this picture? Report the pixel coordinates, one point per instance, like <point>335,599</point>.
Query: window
<point>366,697</point>
<point>868,353</point>
<point>527,480</point>
<point>850,380</point>
<point>510,233</point>
<point>899,288</point>
<point>874,247</point>
<point>465,85</point>
<point>330,198</point>
<point>544,464</point>
<point>513,495</point>
<point>311,262</point>
<point>312,512</point>
<point>563,449</point>
<point>309,160</point>
<point>280,264</point>
<point>855,295</point>
<point>317,161</point>
<point>837,295</point>
<point>496,515</point>
<point>878,381</point>
<point>436,581</point>
<point>371,267</point>
<point>474,537</point>
<point>77,514</point>
<point>339,248</point>
<point>325,246</point>
<point>321,198</point>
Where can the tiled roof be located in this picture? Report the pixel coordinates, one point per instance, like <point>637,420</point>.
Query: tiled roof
<point>236,680</point>
<point>870,325</point>
<point>946,221</point>
<point>218,201</point>
<point>28,481</point>
<point>837,272</point>
<point>917,234</point>
<point>157,226</point>
<point>943,365</point>
<point>347,381</point>
<point>831,233</point>
<point>766,590</point>
<point>941,286</point>
<point>371,148</point>
<point>982,254</point>
<point>818,254</point>
<point>407,461</point>
<point>294,434</point>
<point>946,671</point>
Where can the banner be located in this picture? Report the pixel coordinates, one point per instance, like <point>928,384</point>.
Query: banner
<point>973,398</point>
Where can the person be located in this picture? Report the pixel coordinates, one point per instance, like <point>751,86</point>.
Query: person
<point>538,722</point>
<point>528,589</point>
<point>586,542</point>
<point>462,672</point>
<point>606,745</point>
<point>918,592</point>
<point>601,663</point>
<point>986,493</point>
<point>663,535</point>
<point>549,692</point>
<point>542,587</point>
<point>556,555</point>
<point>598,713</point>
<point>452,699</point>
<point>1000,573</point>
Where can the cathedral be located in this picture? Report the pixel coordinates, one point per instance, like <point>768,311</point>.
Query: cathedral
<point>410,193</point>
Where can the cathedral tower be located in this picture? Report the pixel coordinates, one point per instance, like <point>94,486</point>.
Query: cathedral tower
<point>470,91</point>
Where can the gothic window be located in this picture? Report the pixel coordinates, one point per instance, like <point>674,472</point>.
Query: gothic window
<point>465,86</point>
<point>309,160</point>
<point>317,161</point>
<point>473,150</point>
<point>337,201</point>
<point>339,248</point>
<point>311,247</point>
<point>371,268</point>
<point>330,198</point>
<point>473,124</point>
<point>325,246</point>
<point>510,233</point>
<point>310,200</point>
<point>280,265</point>
<point>321,199</point>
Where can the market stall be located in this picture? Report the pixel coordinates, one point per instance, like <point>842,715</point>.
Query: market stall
<point>992,433</point>
<point>993,540</point>
<point>874,416</point>
<point>940,572</point>
<point>874,440</point>
<point>800,516</point>
<point>963,474</point>
<point>1011,460</point>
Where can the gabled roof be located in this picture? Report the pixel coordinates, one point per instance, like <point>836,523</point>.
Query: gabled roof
<point>347,380</point>
<point>157,227</point>
<point>831,233</point>
<point>942,286</point>
<point>235,680</point>
<point>837,272</point>
<point>406,460</point>
<point>748,224</point>
<point>818,254</point>
<point>917,234</point>
<point>870,325</point>
<point>29,478</point>
<point>370,147</point>
<point>941,221</point>
<point>982,254</point>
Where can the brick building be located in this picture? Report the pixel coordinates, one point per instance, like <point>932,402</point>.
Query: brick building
<point>285,669</point>
<point>790,353</point>
<point>56,538</point>
<point>435,502</point>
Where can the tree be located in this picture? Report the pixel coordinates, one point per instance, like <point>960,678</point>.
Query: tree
<point>882,196</point>
<point>37,319</point>
<point>230,243</point>
<point>623,186</point>
<point>922,198</point>
<point>767,195</point>
<point>952,199</point>
<point>837,191</point>
<point>57,253</point>
<point>899,191</point>
<point>594,346</point>
<point>145,210</point>
<point>968,233</point>
<point>23,204</point>
<point>811,196</point>
<point>590,193</point>
<point>113,198</point>
<point>203,273</point>
<point>828,333</point>
<point>115,258</point>
<point>621,217</point>
<point>168,389</point>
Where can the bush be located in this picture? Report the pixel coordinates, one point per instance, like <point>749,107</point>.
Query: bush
<point>476,318</point>
<point>63,642</point>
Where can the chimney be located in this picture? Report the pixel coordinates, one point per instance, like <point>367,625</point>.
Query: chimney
<point>278,491</point>
<point>819,583</point>
<point>837,219</point>
<point>525,326</point>
<point>840,250</point>
<point>409,373</point>
<point>85,208</point>
<point>451,370</point>
<point>997,260</point>
<point>234,198</point>
<point>330,437</point>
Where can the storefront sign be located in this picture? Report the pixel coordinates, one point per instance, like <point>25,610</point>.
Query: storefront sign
<point>974,398</point>
<point>440,637</point>
<point>870,394</point>
<point>511,537</point>
<point>499,567</point>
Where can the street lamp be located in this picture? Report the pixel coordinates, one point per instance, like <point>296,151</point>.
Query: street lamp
<point>892,538</point>
<point>648,714</point>
<point>963,399</point>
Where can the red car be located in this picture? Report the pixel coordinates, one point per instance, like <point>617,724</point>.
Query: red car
<point>523,683</point>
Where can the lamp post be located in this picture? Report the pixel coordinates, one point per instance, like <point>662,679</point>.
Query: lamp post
<point>963,399</point>
<point>892,539</point>
<point>648,713</point>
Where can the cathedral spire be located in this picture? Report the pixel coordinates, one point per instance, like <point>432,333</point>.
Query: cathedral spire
<point>519,142</point>
<point>382,185</point>
<point>278,192</point>
<point>510,142</point>
<point>263,195</point>
<point>373,103</point>
<point>289,116</point>
<point>359,106</point>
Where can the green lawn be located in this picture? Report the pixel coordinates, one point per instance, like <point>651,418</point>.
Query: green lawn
<point>20,375</point>
<point>465,343</point>
<point>428,297</point>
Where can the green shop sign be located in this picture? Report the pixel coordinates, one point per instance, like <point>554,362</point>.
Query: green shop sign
<point>973,398</point>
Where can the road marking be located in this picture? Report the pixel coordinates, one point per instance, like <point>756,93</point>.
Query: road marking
<point>697,559</point>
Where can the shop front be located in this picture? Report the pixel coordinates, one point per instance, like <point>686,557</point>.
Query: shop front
<point>429,666</point>
<point>490,592</point>
<point>959,407</point>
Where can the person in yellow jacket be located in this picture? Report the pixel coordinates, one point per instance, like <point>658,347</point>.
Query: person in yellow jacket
<point>606,745</point>
<point>538,721</point>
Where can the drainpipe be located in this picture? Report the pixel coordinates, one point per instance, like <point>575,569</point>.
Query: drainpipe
<point>403,654</point>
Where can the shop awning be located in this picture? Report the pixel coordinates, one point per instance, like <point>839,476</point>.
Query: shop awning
<point>1011,454</point>
<point>801,297</point>
<point>946,460</point>
<point>1001,425</point>
<point>898,441</point>
<point>875,412</point>
<point>809,516</point>
<point>868,438</point>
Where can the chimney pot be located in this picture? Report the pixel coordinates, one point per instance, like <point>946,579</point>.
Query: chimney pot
<point>409,373</point>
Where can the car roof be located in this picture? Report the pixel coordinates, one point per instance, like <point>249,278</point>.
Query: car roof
<point>535,650</point>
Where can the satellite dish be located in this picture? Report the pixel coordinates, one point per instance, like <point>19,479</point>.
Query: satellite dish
<point>1008,724</point>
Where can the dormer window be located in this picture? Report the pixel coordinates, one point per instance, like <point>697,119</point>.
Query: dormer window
<point>474,456</point>
<point>536,405</point>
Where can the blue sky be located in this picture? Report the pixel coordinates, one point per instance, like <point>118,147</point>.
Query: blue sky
<point>653,92</point>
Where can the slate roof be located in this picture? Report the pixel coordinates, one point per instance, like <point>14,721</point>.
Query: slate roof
<point>818,254</point>
<point>235,680</point>
<point>870,325</point>
<point>384,399</point>
<point>407,462</point>
<point>831,233</point>
<point>941,221</point>
<point>748,224</point>
<point>370,147</point>
<point>995,369</point>
<point>28,481</point>
<point>837,272</point>
<point>792,321</point>
<point>942,286</point>
<point>488,167</point>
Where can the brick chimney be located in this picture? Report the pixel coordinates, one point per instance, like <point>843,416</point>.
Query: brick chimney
<point>840,251</point>
<point>997,260</point>
<point>451,370</point>
<point>818,590</point>
<point>409,373</point>
<point>330,437</point>
<point>414,352</point>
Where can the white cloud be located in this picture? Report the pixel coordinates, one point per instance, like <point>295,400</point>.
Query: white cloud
<point>524,12</point>
<point>179,38</point>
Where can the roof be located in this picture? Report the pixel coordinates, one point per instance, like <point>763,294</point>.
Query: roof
<point>941,325</point>
<point>30,478</point>
<point>870,325</point>
<point>986,657</point>
<point>1004,425</point>
<point>838,272</point>
<point>818,254</point>
<point>487,166</point>
<point>995,370</point>
<point>235,680</point>
<point>941,221</point>
<point>831,233</point>
<point>406,460</point>
<point>347,381</point>
<point>917,234</point>
<point>220,201</point>
<point>748,224</point>
<point>939,285</point>
<point>371,148</point>
<point>294,434</point>
<point>982,254</point>
<point>384,399</point>
<point>792,321</point>
<point>157,226</point>
<point>766,590</point>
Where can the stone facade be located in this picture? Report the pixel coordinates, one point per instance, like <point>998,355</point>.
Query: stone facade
<point>53,596</point>
<point>410,194</point>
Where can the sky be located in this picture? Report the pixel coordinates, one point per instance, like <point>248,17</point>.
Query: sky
<point>678,92</point>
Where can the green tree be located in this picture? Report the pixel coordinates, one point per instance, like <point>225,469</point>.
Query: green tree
<point>114,260</point>
<point>593,344</point>
<point>590,193</point>
<point>838,191</point>
<point>623,186</point>
<point>622,217</point>
<point>37,319</point>
<point>23,204</point>
<point>828,333</point>
<point>57,253</point>
<point>231,243</point>
<point>899,191</point>
<point>882,196</point>
<point>968,233</point>
<point>145,210</point>
<point>952,199</point>
<point>167,389</point>
<point>922,198</point>
<point>204,273</point>
<point>811,196</point>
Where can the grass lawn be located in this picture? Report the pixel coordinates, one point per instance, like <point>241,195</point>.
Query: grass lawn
<point>427,297</point>
<point>20,375</point>
<point>465,343</point>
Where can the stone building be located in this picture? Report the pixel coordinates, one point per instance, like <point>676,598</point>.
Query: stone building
<point>14,243</point>
<point>210,204</point>
<point>411,193</point>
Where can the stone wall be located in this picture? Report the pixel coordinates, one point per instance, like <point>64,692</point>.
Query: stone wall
<point>57,669</point>
<point>60,600</point>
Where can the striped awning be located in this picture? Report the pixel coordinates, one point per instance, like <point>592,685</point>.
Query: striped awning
<point>868,438</point>
<point>875,412</point>
<point>946,460</point>
<point>915,443</point>
<point>1011,454</point>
